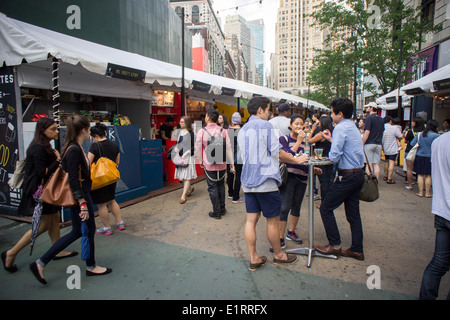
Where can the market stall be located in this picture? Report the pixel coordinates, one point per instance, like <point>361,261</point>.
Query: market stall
<point>107,84</point>
<point>437,86</point>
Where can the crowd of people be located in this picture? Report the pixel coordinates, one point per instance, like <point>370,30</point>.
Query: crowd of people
<point>247,158</point>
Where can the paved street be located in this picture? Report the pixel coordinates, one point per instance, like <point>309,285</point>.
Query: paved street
<point>173,251</point>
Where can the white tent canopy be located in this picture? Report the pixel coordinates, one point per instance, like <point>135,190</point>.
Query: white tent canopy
<point>390,100</point>
<point>25,42</point>
<point>425,84</point>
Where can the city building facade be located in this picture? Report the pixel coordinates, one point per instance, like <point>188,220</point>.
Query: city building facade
<point>296,37</point>
<point>201,19</point>
<point>240,45</point>
<point>145,27</point>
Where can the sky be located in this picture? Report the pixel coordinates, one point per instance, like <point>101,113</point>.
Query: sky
<point>252,10</point>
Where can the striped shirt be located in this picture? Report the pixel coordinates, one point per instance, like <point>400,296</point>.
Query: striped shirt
<point>390,135</point>
<point>301,171</point>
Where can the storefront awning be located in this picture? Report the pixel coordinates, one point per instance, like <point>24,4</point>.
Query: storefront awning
<point>22,42</point>
<point>390,100</point>
<point>438,80</point>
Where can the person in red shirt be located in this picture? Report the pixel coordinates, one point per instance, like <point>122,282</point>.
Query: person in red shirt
<point>213,158</point>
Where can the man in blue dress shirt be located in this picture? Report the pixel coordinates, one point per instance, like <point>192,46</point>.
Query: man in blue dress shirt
<point>347,152</point>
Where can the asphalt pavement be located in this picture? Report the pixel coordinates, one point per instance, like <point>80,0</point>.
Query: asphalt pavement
<point>171,251</point>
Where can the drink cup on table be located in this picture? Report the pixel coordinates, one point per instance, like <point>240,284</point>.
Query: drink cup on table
<point>318,153</point>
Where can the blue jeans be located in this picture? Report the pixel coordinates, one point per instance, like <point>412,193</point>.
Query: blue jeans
<point>344,191</point>
<point>74,235</point>
<point>439,264</point>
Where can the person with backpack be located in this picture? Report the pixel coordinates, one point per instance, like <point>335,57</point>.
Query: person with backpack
<point>216,147</point>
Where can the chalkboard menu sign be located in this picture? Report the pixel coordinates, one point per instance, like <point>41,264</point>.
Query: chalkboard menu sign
<point>9,145</point>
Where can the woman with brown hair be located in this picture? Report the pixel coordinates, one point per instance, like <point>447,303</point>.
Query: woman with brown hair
<point>185,149</point>
<point>76,164</point>
<point>41,161</point>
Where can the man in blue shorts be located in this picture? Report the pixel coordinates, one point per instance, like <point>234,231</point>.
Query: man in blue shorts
<point>260,152</point>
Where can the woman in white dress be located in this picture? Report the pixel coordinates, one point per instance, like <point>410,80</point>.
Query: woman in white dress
<point>185,149</point>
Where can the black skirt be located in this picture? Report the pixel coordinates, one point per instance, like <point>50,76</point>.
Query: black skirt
<point>104,194</point>
<point>422,165</point>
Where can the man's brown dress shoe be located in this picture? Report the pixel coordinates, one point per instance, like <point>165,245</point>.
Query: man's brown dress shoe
<point>349,253</point>
<point>328,249</point>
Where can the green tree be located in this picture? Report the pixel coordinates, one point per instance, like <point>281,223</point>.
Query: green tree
<point>380,36</point>
<point>331,74</point>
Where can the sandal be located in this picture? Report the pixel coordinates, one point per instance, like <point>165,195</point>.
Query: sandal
<point>419,195</point>
<point>190,192</point>
<point>428,196</point>
<point>390,181</point>
<point>385,178</point>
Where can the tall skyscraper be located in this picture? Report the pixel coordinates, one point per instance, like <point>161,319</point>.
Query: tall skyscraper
<point>296,37</point>
<point>257,32</point>
<point>236,28</point>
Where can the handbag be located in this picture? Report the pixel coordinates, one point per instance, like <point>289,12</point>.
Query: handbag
<point>283,174</point>
<point>16,180</point>
<point>413,152</point>
<point>104,172</point>
<point>369,190</point>
<point>180,161</point>
<point>57,190</point>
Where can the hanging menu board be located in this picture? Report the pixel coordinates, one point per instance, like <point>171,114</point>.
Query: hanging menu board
<point>9,146</point>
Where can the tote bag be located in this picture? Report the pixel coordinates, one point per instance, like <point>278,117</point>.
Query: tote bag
<point>16,180</point>
<point>104,172</point>
<point>412,153</point>
<point>369,191</point>
<point>57,189</point>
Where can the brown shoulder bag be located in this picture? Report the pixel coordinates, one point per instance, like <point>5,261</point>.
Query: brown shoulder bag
<point>57,190</point>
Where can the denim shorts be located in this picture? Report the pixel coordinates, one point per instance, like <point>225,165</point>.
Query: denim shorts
<point>392,157</point>
<point>269,203</point>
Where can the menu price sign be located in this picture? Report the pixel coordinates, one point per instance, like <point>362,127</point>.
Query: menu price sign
<point>442,84</point>
<point>9,145</point>
<point>125,73</point>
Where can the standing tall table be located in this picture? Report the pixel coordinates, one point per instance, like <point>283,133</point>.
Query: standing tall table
<point>310,251</point>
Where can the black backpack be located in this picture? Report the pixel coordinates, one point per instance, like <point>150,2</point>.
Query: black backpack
<point>216,148</point>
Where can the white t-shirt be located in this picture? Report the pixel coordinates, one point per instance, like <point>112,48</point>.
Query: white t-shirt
<point>440,175</point>
<point>281,125</point>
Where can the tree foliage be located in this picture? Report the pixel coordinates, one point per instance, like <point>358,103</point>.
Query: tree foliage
<point>386,33</point>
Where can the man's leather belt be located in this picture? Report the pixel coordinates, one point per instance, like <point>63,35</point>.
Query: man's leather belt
<point>350,170</point>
